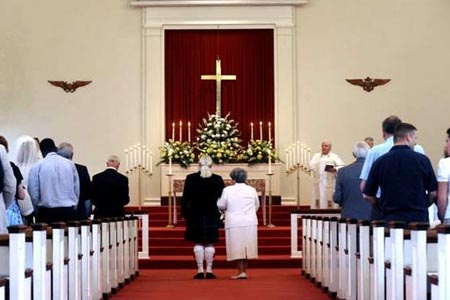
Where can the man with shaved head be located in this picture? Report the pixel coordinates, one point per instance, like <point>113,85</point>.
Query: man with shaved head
<point>324,166</point>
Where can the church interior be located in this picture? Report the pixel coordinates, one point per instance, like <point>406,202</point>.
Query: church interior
<point>144,81</point>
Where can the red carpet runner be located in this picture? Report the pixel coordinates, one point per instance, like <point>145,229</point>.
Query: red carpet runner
<point>273,284</point>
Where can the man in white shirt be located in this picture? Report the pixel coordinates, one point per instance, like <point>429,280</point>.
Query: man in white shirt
<point>54,186</point>
<point>324,166</point>
<point>9,188</point>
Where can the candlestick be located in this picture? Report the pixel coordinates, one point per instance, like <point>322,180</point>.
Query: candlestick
<point>305,155</point>
<point>270,160</point>
<point>138,153</point>
<point>127,163</point>
<point>134,158</point>
<point>181,131</point>
<point>173,131</point>
<point>170,161</point>
<point>309,154</point>
<point>291,152</point>
<point>189,131</point>
<point>251,131</point>
<point>260,131</point>
<point>144,158</point>
<point>270,133</point>
<point>299,160</point>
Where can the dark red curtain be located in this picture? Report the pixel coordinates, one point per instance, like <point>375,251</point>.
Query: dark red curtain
<point>248,54</point>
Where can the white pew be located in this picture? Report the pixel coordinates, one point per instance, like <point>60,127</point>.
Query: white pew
<point>142,221</point>
<point>96,260</point>
<point>73,244</point>
<point>319,251</point>
<point>13,263</point>
<point>423,260</point>
<point>363,270</point>
<point>377,260</point>
<point>333,275</point>
<point>343,266</point>
<point>38,255</point>
<point>326,254</point>
<point>113,266</point>
<point>85,250</point>
<point>443,277</point>
<point>400,244</point>
<point>351,280</point>
<point>105,257</point>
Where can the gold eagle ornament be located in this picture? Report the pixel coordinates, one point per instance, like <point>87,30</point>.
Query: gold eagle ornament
<point>69,87</point>
<point>368,84</point>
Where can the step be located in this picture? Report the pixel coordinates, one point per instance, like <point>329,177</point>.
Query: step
<point>220,250</point>
<point>188,262</point>
<point>175,241</point>
<point>178,232</point>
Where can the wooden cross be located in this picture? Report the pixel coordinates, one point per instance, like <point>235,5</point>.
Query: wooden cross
<point>218,78</point>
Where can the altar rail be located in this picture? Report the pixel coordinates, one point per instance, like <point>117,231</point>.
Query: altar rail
<point>353,259</point>
<point>74,260</point>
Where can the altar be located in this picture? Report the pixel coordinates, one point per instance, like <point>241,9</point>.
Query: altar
<point>256,171</point>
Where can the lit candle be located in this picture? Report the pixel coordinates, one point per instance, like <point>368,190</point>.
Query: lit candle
<point>189,131</point>
<point>260,131</point>
<point>292,156</point>
<point>287,160</point>
<point>270,133</point>
<point>134,158</point>
<point>144,157</point>
<point>309,154</point>
<point>138,153</point>
<point>151,162</point>
<point>299,161</point>
<point>270,160</point>
<point>181,131</point>
<point>173,131</point>
<point>251,131</point>
<point>305,155</point>
<point>127,163</point>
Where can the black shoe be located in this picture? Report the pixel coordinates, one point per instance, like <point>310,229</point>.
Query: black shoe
<point>210,276</point>
<point>199,276</point>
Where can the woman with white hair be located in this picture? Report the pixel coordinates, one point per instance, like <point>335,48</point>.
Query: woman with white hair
<point>27,155</point>
<point>199,209</point>
<point>240,203</point>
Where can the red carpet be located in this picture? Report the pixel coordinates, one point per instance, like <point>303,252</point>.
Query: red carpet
<point>278,284</point>
<point>168,250</point>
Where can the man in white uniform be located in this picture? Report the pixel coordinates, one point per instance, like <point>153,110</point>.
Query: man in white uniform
<point>324,166</point>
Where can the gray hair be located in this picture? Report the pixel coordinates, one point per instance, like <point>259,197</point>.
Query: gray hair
<point>360,149</point>
<point>205,163</point>
<point>113,158</point>
<point>239,175</point>
<point>65,150</point>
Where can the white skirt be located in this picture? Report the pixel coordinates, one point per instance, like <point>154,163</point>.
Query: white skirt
<point>242,242</point>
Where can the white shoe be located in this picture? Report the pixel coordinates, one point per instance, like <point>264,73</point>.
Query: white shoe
<point>243,275</point>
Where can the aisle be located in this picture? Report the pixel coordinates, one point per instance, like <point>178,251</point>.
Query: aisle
<point>278,284</point>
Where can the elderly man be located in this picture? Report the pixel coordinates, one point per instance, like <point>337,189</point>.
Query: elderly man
<point>199,208</point>
<point>324,166</point>
<point>110,191</point>
<point>84,203</point>
<point>54,186</point>
<point>347,192</point>
<point>406,178</point>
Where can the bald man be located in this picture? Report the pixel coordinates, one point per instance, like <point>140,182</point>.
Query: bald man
<point>324,166</point>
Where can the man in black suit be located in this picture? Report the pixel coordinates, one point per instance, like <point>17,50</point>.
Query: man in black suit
<point>110,191</point>
<point>84,203</point>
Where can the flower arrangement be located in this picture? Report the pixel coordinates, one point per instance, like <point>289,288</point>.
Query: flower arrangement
<point>259,151</point>
<point>181,153</point>
<point>218,137</point>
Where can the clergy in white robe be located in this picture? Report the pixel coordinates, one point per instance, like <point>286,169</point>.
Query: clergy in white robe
<point>324,166</point>
<point>240,203</point>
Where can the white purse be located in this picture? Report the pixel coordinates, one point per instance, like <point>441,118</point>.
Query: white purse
<point>25,205</point>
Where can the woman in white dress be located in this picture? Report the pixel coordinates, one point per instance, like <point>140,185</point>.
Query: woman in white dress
<point>240,203</point>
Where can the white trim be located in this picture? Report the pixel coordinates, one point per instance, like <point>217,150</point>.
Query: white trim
<point>178,3</point>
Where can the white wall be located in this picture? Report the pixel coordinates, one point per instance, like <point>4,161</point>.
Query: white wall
<point>405,40</point>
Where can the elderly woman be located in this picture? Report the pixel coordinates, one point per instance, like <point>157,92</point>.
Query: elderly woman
<point>240,203</point>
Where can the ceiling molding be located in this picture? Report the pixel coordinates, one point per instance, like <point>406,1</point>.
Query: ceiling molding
<point>169,3</point>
